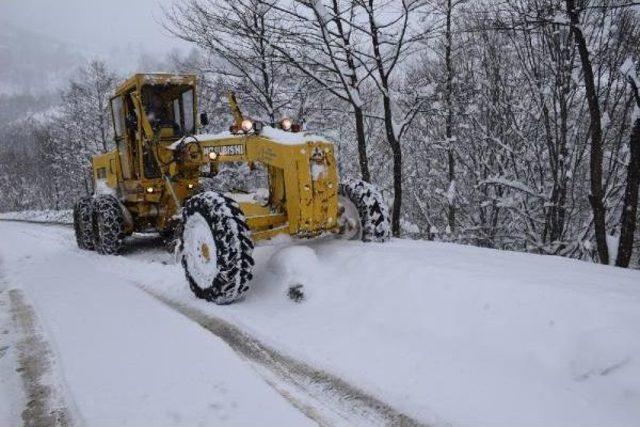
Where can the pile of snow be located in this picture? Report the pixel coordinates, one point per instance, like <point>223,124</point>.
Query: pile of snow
<point>103,189</point>
<point>204,137</point>
<point>297,267</point>
<point>318,171</point>
<point>291,138</point>
<point>260,195</point>
<point>49,215</point>
<point>277,135</point>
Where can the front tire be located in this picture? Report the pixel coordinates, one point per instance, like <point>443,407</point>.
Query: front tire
<point>216,248</point>
<point>364,201</point>
<point>83,223</point>
<point>108,225</point>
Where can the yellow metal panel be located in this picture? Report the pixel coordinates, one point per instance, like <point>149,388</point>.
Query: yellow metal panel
<point>303,179</point>
<point>311,205</point>
<point>106,168</point>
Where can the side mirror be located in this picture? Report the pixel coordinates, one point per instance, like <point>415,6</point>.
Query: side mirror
<point>204,119</point>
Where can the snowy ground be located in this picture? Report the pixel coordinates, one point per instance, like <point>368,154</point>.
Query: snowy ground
<point>48,216</point>
<point>119,358</point>
<point>441,334</point>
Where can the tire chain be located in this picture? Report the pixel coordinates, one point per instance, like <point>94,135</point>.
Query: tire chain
<point>374,214</point>
<point>234,246</point>
<point>109,225</point>
<point>83,223</point>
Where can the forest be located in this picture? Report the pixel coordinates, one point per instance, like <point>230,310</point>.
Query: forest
<point>511,125</point>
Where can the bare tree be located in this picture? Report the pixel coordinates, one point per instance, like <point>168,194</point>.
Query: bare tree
<point>237,37</point>
<point>596,198</point>
<point>629,215</point>
<point>316,40</point>
<point>449,122</point>
<point>475,111</point>
<point>390,40</point>
<point>86,105</point>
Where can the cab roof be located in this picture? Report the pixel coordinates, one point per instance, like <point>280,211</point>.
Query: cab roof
<point>136,81</point>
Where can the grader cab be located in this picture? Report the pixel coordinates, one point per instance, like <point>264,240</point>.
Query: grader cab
<point>155,180</point>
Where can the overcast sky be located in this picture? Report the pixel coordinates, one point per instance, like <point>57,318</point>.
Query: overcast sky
<point>99,26</point>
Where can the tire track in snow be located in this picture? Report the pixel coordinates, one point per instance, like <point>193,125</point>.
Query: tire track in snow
<point>44,405</point>
<point>335,400</point>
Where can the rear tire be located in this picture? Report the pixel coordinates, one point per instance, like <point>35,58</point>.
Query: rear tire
<point>83,223</point>
<point>375,224</point>
<point>108,225</point>
<point>216,248</point>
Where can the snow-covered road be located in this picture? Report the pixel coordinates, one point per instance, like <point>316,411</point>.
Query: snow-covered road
<point>120,358</point>
<point>442,334</point>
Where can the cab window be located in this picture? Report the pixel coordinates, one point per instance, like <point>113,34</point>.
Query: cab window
<point>170,107</point>
<point>159,109</point>
<point>117,111</point>
<point>187,109</point>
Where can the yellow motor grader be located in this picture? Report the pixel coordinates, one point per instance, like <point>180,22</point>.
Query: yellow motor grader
<point>155,181</point>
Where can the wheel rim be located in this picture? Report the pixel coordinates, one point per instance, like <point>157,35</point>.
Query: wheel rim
<point>349,219</point>
<point>199,251</point>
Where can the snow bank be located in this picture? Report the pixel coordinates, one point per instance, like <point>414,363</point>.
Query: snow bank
<point>56,216</point>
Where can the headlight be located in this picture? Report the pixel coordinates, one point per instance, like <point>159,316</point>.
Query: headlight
<point>247,125</point>
<point>149,190</point>
<point>213,155</point>
<point>285,124</point>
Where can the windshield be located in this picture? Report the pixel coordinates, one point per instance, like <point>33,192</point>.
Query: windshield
<point>170,107</point>
<point>118,116</point>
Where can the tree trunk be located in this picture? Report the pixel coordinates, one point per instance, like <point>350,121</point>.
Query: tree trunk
<point>451,217</point>
<point>630,206</point>
<point>353,84</point>
<point>362,144</point>
<point>596,196</point>
<point>266,78</point>
<point>390,132</point>
<point>397,166</point>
